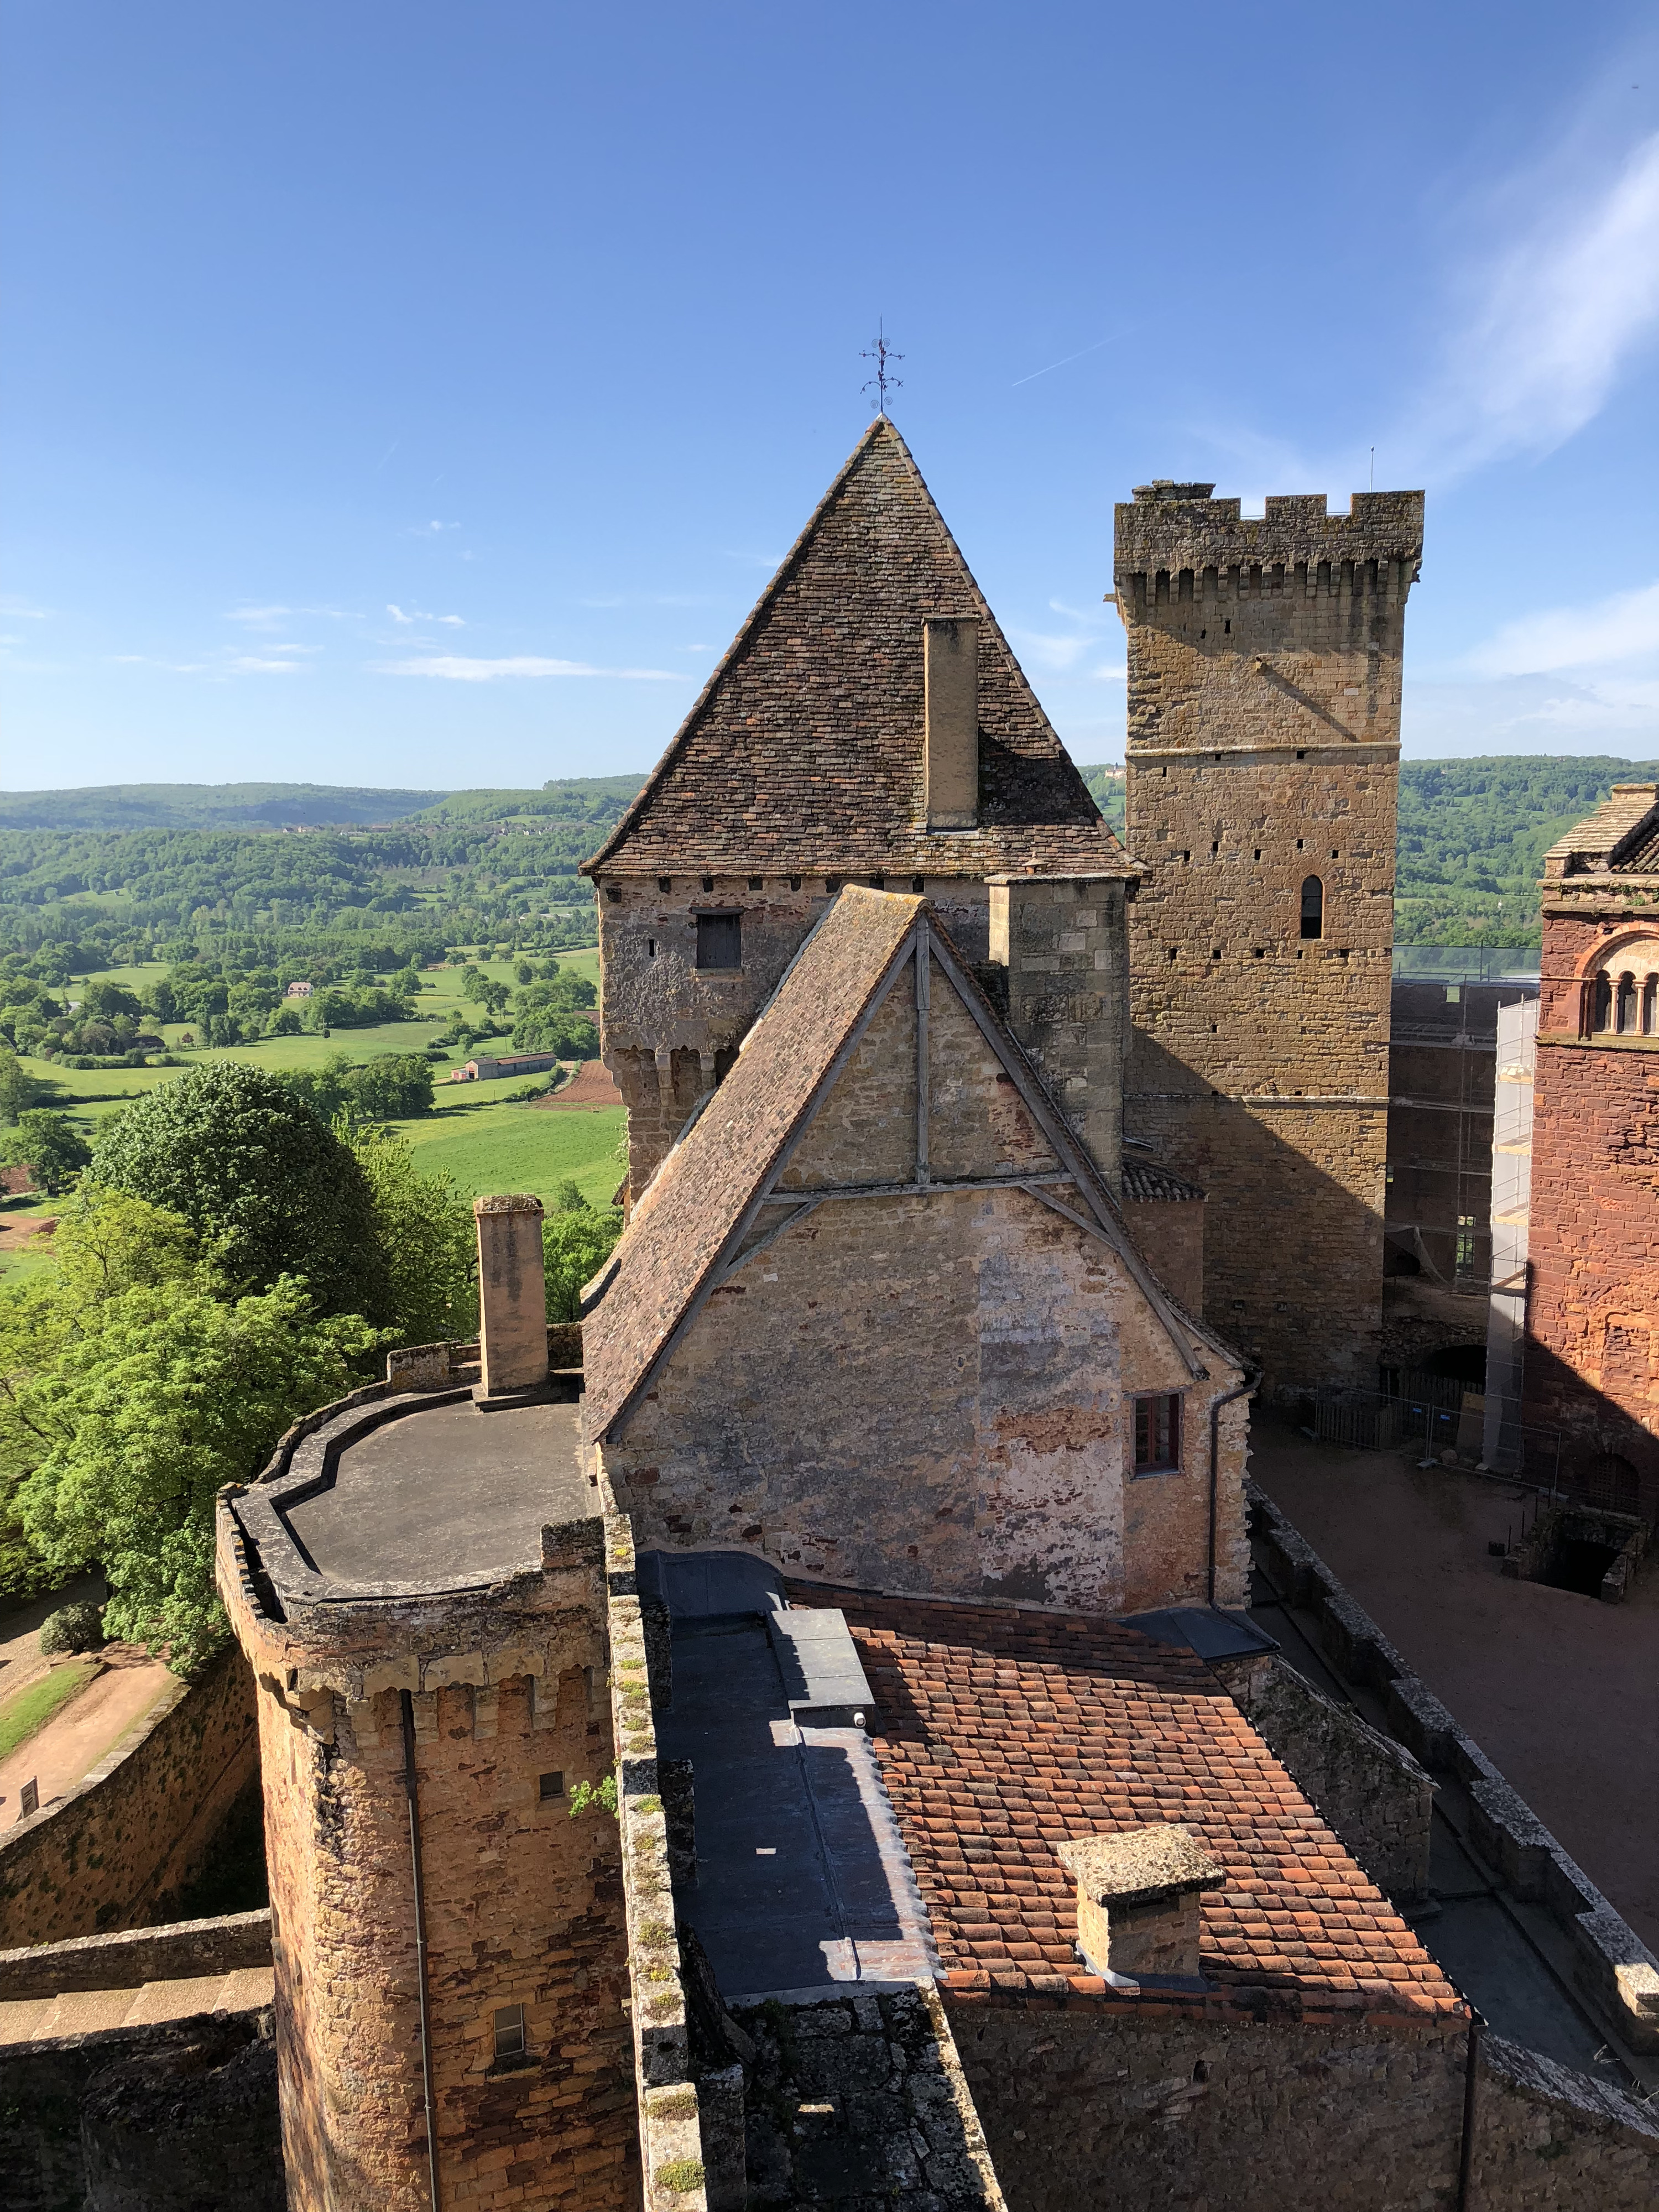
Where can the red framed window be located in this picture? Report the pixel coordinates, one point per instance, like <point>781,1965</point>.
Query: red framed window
<point>1158,1433</point>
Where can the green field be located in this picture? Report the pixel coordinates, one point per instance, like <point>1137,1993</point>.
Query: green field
<point>477,1134</point>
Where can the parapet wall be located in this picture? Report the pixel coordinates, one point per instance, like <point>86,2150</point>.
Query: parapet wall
<point>121,1846</point>
<point>1615,1968</point>
<point>1167,529</point>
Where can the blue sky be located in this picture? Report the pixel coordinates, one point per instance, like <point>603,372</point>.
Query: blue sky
<point>423,394</point>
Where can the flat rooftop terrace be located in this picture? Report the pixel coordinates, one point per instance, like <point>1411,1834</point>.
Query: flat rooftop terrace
<point>394,1499</point>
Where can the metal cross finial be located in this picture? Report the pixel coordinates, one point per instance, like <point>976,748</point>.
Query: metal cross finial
<point>881,353</point>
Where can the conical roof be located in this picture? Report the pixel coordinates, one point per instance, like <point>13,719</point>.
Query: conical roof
<point>805,751</point>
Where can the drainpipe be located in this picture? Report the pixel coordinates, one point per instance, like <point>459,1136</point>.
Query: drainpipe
<point>420,1949</point>
<point>1471,2077</point>
<point>1252,1376</point>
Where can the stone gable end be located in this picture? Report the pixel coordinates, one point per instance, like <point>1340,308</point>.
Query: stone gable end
<point>925,1382</point>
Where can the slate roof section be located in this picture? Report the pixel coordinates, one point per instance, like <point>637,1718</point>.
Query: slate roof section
<point>1001,1734</point>
<point>805,751</point>
<point>689,1207</point>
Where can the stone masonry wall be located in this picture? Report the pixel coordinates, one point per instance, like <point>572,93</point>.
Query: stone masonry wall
<point>523,1903</point>
<point>116,1852</point>
<point>997,1343</point>
<point>1372,1792</point>
<point>669,1025</point>
<point>1085,2111</point>
<point>1264,691</point>
<point>1592,1361</point>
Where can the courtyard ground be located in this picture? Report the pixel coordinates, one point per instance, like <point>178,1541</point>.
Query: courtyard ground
<point>91,1723</point>
<point>1560,1691</point>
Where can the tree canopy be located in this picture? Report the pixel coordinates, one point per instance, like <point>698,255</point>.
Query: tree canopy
<point>270,1190</point>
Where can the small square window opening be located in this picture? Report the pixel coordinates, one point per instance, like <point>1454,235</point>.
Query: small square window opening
<point>509,2032</point>
<point>1158,1433</point>
<point>549,1786</point>
<point>720,940</point>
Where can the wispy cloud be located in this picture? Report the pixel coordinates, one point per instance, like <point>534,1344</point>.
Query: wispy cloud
<point>268,660</point>
<point>275,617</point>
<point>1063,653</point>
<point>1560,308</point>
<point>415,615</point>
<point>21,611</point>
<point>431,529</point>
<point>454,669</point>
<point>1622,628</point>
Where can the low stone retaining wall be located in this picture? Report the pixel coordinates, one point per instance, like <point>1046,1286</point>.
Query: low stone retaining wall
<point>120,1848</point>
<point>183,1951</point>
<point>144,2119</point>
<point>1371,1790</point>
<point>1547,2139</point>
<point>1618,1971</point>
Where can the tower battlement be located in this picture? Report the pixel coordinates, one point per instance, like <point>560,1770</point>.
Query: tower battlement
<point>1178,530</point>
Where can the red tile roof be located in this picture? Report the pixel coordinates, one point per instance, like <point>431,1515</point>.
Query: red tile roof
<point>805,751</point>
<point>1002,1734</point>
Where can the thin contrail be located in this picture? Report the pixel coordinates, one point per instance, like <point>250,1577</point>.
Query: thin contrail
<point>386,456</point>
<point>1070,357</point>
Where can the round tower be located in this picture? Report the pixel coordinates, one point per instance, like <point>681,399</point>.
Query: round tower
<point>419,1580</point>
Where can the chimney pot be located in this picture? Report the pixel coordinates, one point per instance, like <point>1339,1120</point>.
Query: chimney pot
<point>512,1297</point>
<point>950,744</point>
<point>1138,1900</point>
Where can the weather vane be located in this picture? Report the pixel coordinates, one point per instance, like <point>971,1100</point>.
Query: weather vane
<point>881,353</point>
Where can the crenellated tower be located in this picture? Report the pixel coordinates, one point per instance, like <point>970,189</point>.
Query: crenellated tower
<point>1264,685</point>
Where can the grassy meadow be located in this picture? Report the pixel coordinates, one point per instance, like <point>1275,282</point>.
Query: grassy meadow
<point>479,1135</point>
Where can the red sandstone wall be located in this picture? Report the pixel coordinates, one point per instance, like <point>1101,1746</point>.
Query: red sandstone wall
<point>1593,1308</point>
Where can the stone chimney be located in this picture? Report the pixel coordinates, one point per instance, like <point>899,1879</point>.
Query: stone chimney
<point>512,1299</point>
<point>1138,1901</point>
<point>950,744</point>
<point>1063,944</point>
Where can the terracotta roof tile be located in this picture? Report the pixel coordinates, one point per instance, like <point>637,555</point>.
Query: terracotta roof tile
<point>805,751</point>
<point>1151,1735</point>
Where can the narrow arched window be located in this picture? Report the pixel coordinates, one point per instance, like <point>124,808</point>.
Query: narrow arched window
<point>1651,1007</point>
<point>1313,907</point>
<point>1627,1005</point>
<point>1603,1003</point>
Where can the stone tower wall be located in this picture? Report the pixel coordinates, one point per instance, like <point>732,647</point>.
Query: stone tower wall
<point>1263,742</point>
<point>523,1905</point>
<point>670,1028</point>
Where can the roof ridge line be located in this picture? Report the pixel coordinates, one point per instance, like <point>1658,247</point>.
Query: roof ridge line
<point>768,592</point>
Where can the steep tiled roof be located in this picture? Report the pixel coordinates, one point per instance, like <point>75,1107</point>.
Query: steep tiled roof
<point>1622,835</point>
<point>805,751</point>
<point>700,1192</point>
<point>1002,1734</point>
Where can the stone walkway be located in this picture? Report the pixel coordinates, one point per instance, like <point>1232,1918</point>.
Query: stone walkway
<point>1557,1689</point>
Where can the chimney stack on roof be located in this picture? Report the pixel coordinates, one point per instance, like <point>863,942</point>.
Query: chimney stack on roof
<point>1138,1900</point>
<point>950,744</point>
<point>512,1299</point>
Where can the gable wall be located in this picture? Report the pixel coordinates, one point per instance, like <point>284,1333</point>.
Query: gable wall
<point>666,1023</point>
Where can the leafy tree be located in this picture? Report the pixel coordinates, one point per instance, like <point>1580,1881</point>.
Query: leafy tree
<point>165,1394</point>
<point>573,1035</point>
<point>425,1230</point>
<point>391,1087</point>
<point>102,1002</point>
<point>262,1182</point>
<point>18,1088</point>
<point>284,1023</point>
<point>576,1245</point>
<point>47,1142</point>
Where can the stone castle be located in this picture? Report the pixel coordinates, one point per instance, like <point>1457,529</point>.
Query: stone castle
<point>797,1736</point>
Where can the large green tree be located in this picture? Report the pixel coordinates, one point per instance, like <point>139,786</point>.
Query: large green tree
<point>258,1177</point>
<point>132,1387</point>
<point>47,1142</point>
<point>425,1233</point>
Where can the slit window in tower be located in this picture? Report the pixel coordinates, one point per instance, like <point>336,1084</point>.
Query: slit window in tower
<point>720,940</point>
<point>1313,907</point>
<point>1158,1433</point>
<point>509,2032</point>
